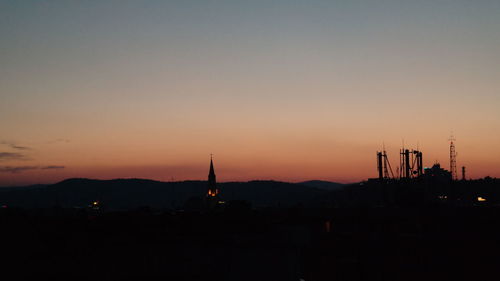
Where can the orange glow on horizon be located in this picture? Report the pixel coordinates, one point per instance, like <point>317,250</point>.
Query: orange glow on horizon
<point>284,92</point>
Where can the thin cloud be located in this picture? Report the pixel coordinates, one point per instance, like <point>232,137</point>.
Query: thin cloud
<point>15,146</point>
<point>20,147</point>
<point>19,169</point>
<point>16,169</point>
<point>58,141</point>
<point>53,167</point>
<point>6,156</point>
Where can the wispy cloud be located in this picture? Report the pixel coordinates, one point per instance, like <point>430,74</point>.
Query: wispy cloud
<point>13,145</point>
<point>52,167</point>
<point>58,141</point>
<point>6,156</point>
<point>19,169</point>
<point>16,169</point>
<point>20,147</point>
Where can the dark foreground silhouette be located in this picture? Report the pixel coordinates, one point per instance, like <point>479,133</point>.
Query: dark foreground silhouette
<point>144,230</point>
<point>238,243</point>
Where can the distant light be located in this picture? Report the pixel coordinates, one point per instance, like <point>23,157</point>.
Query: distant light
<point>481,199</point>
<point>4,206</point>
<point>443,197</point>
<point>212,193</point>
<point>94,205</point>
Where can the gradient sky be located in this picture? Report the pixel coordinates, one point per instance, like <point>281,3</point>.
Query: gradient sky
<point>284,90</point>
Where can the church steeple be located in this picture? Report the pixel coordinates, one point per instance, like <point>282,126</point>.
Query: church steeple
<point>211,173</point>
<point>212,184</point>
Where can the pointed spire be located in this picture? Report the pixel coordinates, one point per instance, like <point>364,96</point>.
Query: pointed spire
<point>212,171</point>
<point>212,183</point>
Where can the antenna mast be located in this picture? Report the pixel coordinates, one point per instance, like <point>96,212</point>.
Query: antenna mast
<point>453,159</point>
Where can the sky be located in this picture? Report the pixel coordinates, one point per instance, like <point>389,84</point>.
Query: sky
<point>283,90</point>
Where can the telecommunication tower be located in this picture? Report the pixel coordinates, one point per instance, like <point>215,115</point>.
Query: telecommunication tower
<point>453,159</point>
<point>383,166</point>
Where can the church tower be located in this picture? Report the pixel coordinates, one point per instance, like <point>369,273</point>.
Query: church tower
<point>213,191</point>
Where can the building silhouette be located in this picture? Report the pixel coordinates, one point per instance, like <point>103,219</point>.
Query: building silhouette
<point>437,174</point>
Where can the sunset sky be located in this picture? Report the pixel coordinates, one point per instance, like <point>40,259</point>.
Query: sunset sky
<point>283,90</point>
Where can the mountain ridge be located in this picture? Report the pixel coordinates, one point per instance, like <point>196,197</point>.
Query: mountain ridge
<point>131,193</point>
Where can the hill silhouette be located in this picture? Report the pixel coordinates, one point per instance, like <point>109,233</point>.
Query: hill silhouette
<point>122,194</point>
<point>327,185</point>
